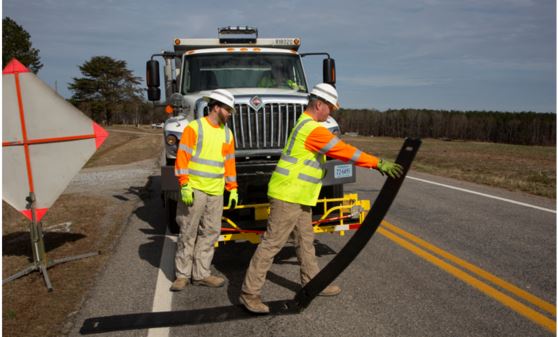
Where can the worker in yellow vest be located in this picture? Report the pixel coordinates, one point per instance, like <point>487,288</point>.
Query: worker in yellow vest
<point>205,166</point>
<point>293,190</point>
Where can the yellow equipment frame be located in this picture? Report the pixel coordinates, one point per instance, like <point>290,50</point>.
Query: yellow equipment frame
<point>349,213</point>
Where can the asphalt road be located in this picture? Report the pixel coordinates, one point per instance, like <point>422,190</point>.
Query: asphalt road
<point>446,262</point>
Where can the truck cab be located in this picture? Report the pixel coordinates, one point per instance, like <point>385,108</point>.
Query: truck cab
<point>267,78</point>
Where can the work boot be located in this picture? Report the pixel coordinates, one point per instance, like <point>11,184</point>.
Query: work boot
<point>179,284</point>
<point>210,281</point>
<point>331,290</point>
<point>253,303</point>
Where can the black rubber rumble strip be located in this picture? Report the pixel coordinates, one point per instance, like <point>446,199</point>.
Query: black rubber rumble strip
<point>284,307</point>
<point>369,226</point>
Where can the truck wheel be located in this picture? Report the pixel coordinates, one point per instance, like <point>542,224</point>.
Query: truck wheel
<point>171,216</point>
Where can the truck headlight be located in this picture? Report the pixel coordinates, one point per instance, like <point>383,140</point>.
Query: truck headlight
<point>171,140</point>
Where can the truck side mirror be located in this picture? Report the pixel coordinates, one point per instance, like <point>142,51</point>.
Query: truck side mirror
<point>329,71</point>
<point>152,79</point>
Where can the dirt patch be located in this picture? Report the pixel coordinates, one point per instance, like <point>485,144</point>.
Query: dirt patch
<point>88,217</point>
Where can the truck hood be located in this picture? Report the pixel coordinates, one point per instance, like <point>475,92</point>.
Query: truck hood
<point>266,91</point>
<point>176,124</point>
<point>238,92</point>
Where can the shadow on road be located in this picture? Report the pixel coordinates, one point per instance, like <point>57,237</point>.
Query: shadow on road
<point>232,260</point>
<point>151,212</point>
<point>19,244</point>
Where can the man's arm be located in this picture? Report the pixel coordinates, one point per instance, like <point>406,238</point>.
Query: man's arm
<point>184,154</point>
<point>230,166</point>
<point>323,141</point>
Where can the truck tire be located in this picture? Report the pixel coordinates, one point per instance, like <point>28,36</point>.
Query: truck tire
<point>171,216</point>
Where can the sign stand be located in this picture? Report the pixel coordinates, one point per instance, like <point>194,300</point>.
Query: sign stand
<point>36,149</point>
<point>40,261</point>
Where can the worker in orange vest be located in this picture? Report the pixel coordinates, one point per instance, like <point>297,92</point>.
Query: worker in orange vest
<point>205,166</point>
<point>293,191</point>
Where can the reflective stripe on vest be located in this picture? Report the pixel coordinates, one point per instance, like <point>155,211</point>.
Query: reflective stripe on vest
<point>356,155</point>
<point>329,145</point>
<point>207,165</point>
<point>287,156</point>
<point>185,148</point>
<point>298,175</point>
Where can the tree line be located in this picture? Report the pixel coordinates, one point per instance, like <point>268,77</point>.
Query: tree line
<point>107,92</point>
<point>527,128</point>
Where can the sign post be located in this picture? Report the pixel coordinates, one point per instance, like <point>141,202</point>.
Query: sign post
<point>45,142</point>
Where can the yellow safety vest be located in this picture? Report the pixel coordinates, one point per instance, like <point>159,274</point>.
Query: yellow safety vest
<point>207,165</point>
<point>299,172</point>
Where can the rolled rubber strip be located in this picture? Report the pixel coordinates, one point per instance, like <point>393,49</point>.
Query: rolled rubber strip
<point>361,237</point>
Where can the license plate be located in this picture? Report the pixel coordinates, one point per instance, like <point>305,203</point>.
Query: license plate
<point>343,171</point>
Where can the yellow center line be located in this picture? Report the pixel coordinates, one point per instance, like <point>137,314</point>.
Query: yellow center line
<point>542,304</point>
<point>516,306</point>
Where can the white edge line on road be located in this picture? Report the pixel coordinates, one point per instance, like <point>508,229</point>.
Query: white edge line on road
<point>484,195</point>
<point>162,300</point>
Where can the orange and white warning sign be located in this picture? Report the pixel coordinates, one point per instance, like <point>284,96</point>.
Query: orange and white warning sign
<point>45,140</point>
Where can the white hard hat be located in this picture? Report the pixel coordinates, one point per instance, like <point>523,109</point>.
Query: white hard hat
<point>326,92</point>
<point>222,96</point>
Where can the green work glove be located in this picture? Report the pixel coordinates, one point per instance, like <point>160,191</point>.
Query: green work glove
<point>187,195</point>
<point>393,170</point>
<point>233,199</point>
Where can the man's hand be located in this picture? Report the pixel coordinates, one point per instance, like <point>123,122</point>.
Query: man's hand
<point>187,195</point>
<point>393,170</point>
<point>233,199</point>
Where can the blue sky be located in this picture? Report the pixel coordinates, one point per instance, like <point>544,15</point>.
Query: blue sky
<point>440,54</point>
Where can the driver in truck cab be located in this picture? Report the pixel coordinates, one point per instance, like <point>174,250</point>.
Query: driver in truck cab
<point>293,190</point>
<point>277,78</point>
<point>205,166</point>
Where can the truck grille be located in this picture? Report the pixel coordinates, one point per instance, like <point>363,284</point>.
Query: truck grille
<point>266,128</point>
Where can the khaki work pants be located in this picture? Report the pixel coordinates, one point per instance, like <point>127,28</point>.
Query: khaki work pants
<point>284,218</point>
<point>200,225</point>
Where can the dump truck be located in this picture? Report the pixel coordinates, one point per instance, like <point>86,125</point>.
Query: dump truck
<point>267,78</point>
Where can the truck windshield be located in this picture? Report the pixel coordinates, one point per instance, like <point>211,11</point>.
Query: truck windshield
<point>212,71</point>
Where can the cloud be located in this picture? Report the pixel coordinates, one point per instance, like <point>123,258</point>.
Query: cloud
<point>388,81</point>
<point>397,45</point>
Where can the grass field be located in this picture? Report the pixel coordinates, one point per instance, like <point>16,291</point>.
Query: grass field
<point>530,169</point>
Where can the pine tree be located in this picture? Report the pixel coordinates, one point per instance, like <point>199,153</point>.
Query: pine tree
<point>106,86</point>
<point>16,43</point>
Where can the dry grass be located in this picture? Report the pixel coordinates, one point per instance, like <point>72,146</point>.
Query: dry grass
<point>96,223</point>
<point>530,169</point>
